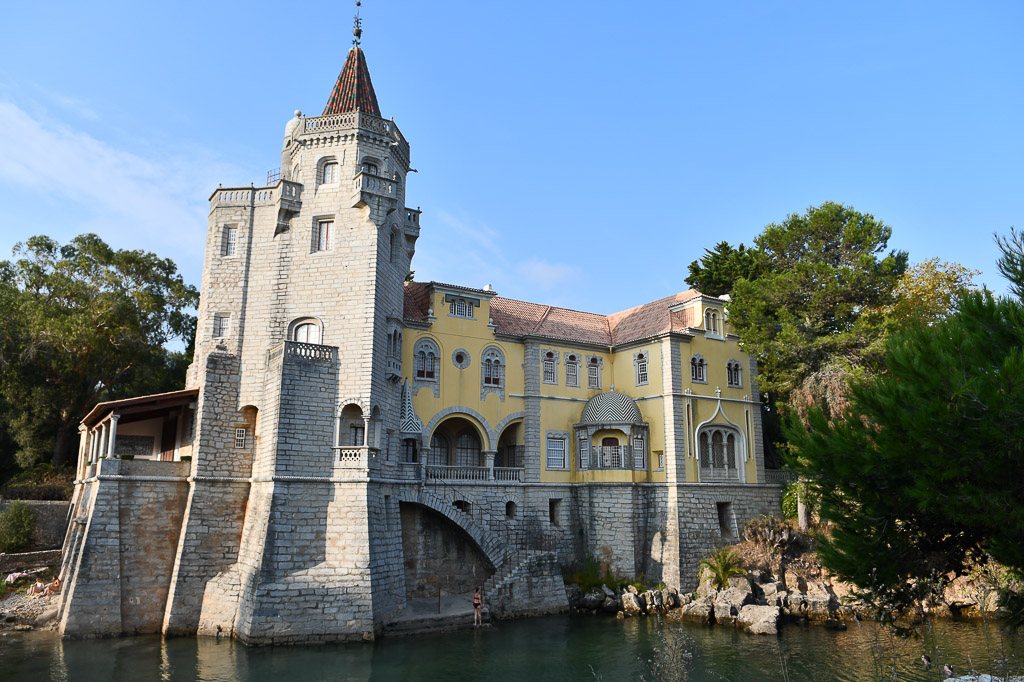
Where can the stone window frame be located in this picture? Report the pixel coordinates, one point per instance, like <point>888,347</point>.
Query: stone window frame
<point>573,360</point>
<point>733,374</point>
<point>641,363</point>
<point>430,349</point>
<point>492,360</point>
<point>229,240</point>
<point>549,355</point>
<point>582,452</point>
<point>698,369</point>
<point>594,362</point>
<point>714,323</point>
<point>295,325</point>
<point>323,233</point>
<point>221,325</point>
<point>550,437</point>
<point>466,361</point>
<point>709,431</point>
<point>323,165</point>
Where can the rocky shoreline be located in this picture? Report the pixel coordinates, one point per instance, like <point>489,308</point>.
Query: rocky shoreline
<point>760,604</point>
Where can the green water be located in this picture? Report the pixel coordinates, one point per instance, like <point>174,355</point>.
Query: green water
<point>556,648</point>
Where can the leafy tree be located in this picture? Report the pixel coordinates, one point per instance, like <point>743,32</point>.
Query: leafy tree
<point>718,270</point>
<point>84,323</point>
<point>805,314</point>
<point>927,293</point>
<point>926,466</point>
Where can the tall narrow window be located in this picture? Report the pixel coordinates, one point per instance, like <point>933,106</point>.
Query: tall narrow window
<point>639,453</point>
<point>641,369</point>
<point>230,240</point>
<point>549,367</point>
<point>572,370</point>
<point>330,172</point>
<point>324,235</point>
<point>239,438</point>
<point>732,373</point>
<point>409,451</point>
<point>355,435</point>
<point>391,248</point>
<point>698,369</point>
<point>583,452</point>
<point>594,373</point>
<point>220,325</point>
<point>493,368</point>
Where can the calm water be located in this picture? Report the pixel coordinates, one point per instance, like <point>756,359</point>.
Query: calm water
<point>557,648</point>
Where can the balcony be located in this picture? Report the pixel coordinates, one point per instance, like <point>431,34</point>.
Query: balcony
<point>352,457</point>
<point>393,369</point>
<point>437,472</point>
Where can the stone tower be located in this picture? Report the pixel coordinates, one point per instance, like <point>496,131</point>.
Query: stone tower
<point>297,365</point>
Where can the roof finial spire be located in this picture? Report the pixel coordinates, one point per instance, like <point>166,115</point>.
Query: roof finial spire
<point>357,28</point>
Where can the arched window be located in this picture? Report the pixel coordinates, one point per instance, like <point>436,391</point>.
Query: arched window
<point>732,374</point>
<point>330,172</point>
<point>510,510</point>
<point>492,368</point>
<point>305,331</point>
<point>698,369</point>
<point>440,450</point>
<point>425,363</point>
<point>370,167</point>
<point>594,372</point>
<point>467,450</point>
<point>718,453</point>
<point>711,323</point>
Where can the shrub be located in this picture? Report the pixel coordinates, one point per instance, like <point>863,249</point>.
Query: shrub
<point>16,526</point>
<point>722,564</point>
<point>789,500</point>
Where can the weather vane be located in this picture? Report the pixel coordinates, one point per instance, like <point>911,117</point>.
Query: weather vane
<point>357,29</point>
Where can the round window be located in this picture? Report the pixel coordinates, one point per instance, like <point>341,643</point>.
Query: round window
<point>460,358</point>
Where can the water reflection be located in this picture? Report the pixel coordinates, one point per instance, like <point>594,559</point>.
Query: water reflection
<point>586,648</point>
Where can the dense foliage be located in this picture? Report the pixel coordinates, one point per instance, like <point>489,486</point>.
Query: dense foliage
<point>16,525</point>
<point>83,323</point>
<point>925,467</point>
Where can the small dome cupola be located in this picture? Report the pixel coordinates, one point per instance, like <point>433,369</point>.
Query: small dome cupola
<point>611,408</point>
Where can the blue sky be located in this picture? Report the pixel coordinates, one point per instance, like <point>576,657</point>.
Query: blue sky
<point>574,153</point>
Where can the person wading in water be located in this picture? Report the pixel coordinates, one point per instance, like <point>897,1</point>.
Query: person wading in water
<point>478,607</point>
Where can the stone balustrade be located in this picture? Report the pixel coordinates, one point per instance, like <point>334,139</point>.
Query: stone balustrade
<point>355,457</point>
<point>375,184</point>
<point>508,474</point>
<point>310,351</point>
<point>437,472</point>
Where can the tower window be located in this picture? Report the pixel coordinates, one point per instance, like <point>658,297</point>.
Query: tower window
<point>493,367</point>
<point>229,242</point>
<point>711,322</point>
<point>323,237</point>
<point>370,168</point>
<point>220,325</point>
<point>460,307</point>
<point>330,172</point>
<point>239,438</point>
<point>306,332</point>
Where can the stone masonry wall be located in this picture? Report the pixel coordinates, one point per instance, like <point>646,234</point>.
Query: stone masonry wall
<point>51,522</point>
<point>438,555</point>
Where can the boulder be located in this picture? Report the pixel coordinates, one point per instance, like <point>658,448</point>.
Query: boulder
<point>574,595</point>
<point>728,604</point>
<point>705,586</point>
<point>759,620</point>
<point>684,599</point>
<point>46,616</point>
<point>654,601</point>
<point>592,600</point>
<point>699,611</point>
<point>631,605</point>
<point>670,598</point>
<point>811,607</point>
<point>611,605</point>
<point>631,589</point>
<point>608,592</point>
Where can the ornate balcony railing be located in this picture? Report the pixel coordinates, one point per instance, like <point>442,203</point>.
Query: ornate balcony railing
<point>354,457</point>
<point>375,184</point>
<point>715,474</point>
<point>508,474</point>
<point>310,351</point>
<point>347,120</point>
<point>778,476</point>
<point>436,472</point>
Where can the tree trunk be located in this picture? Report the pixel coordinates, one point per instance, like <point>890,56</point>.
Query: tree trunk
<point>801,506</point>
<point>65,448</point>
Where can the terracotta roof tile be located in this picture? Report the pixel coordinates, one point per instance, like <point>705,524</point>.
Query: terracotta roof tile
<point>522,318</point>
<point>353,89</point>
<point>417,301</point>
<point>646,320</point>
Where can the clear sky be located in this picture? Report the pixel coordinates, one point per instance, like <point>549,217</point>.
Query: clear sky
<point>573,153</point>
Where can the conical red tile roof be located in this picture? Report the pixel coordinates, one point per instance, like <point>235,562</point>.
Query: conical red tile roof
<point>353,90</point>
